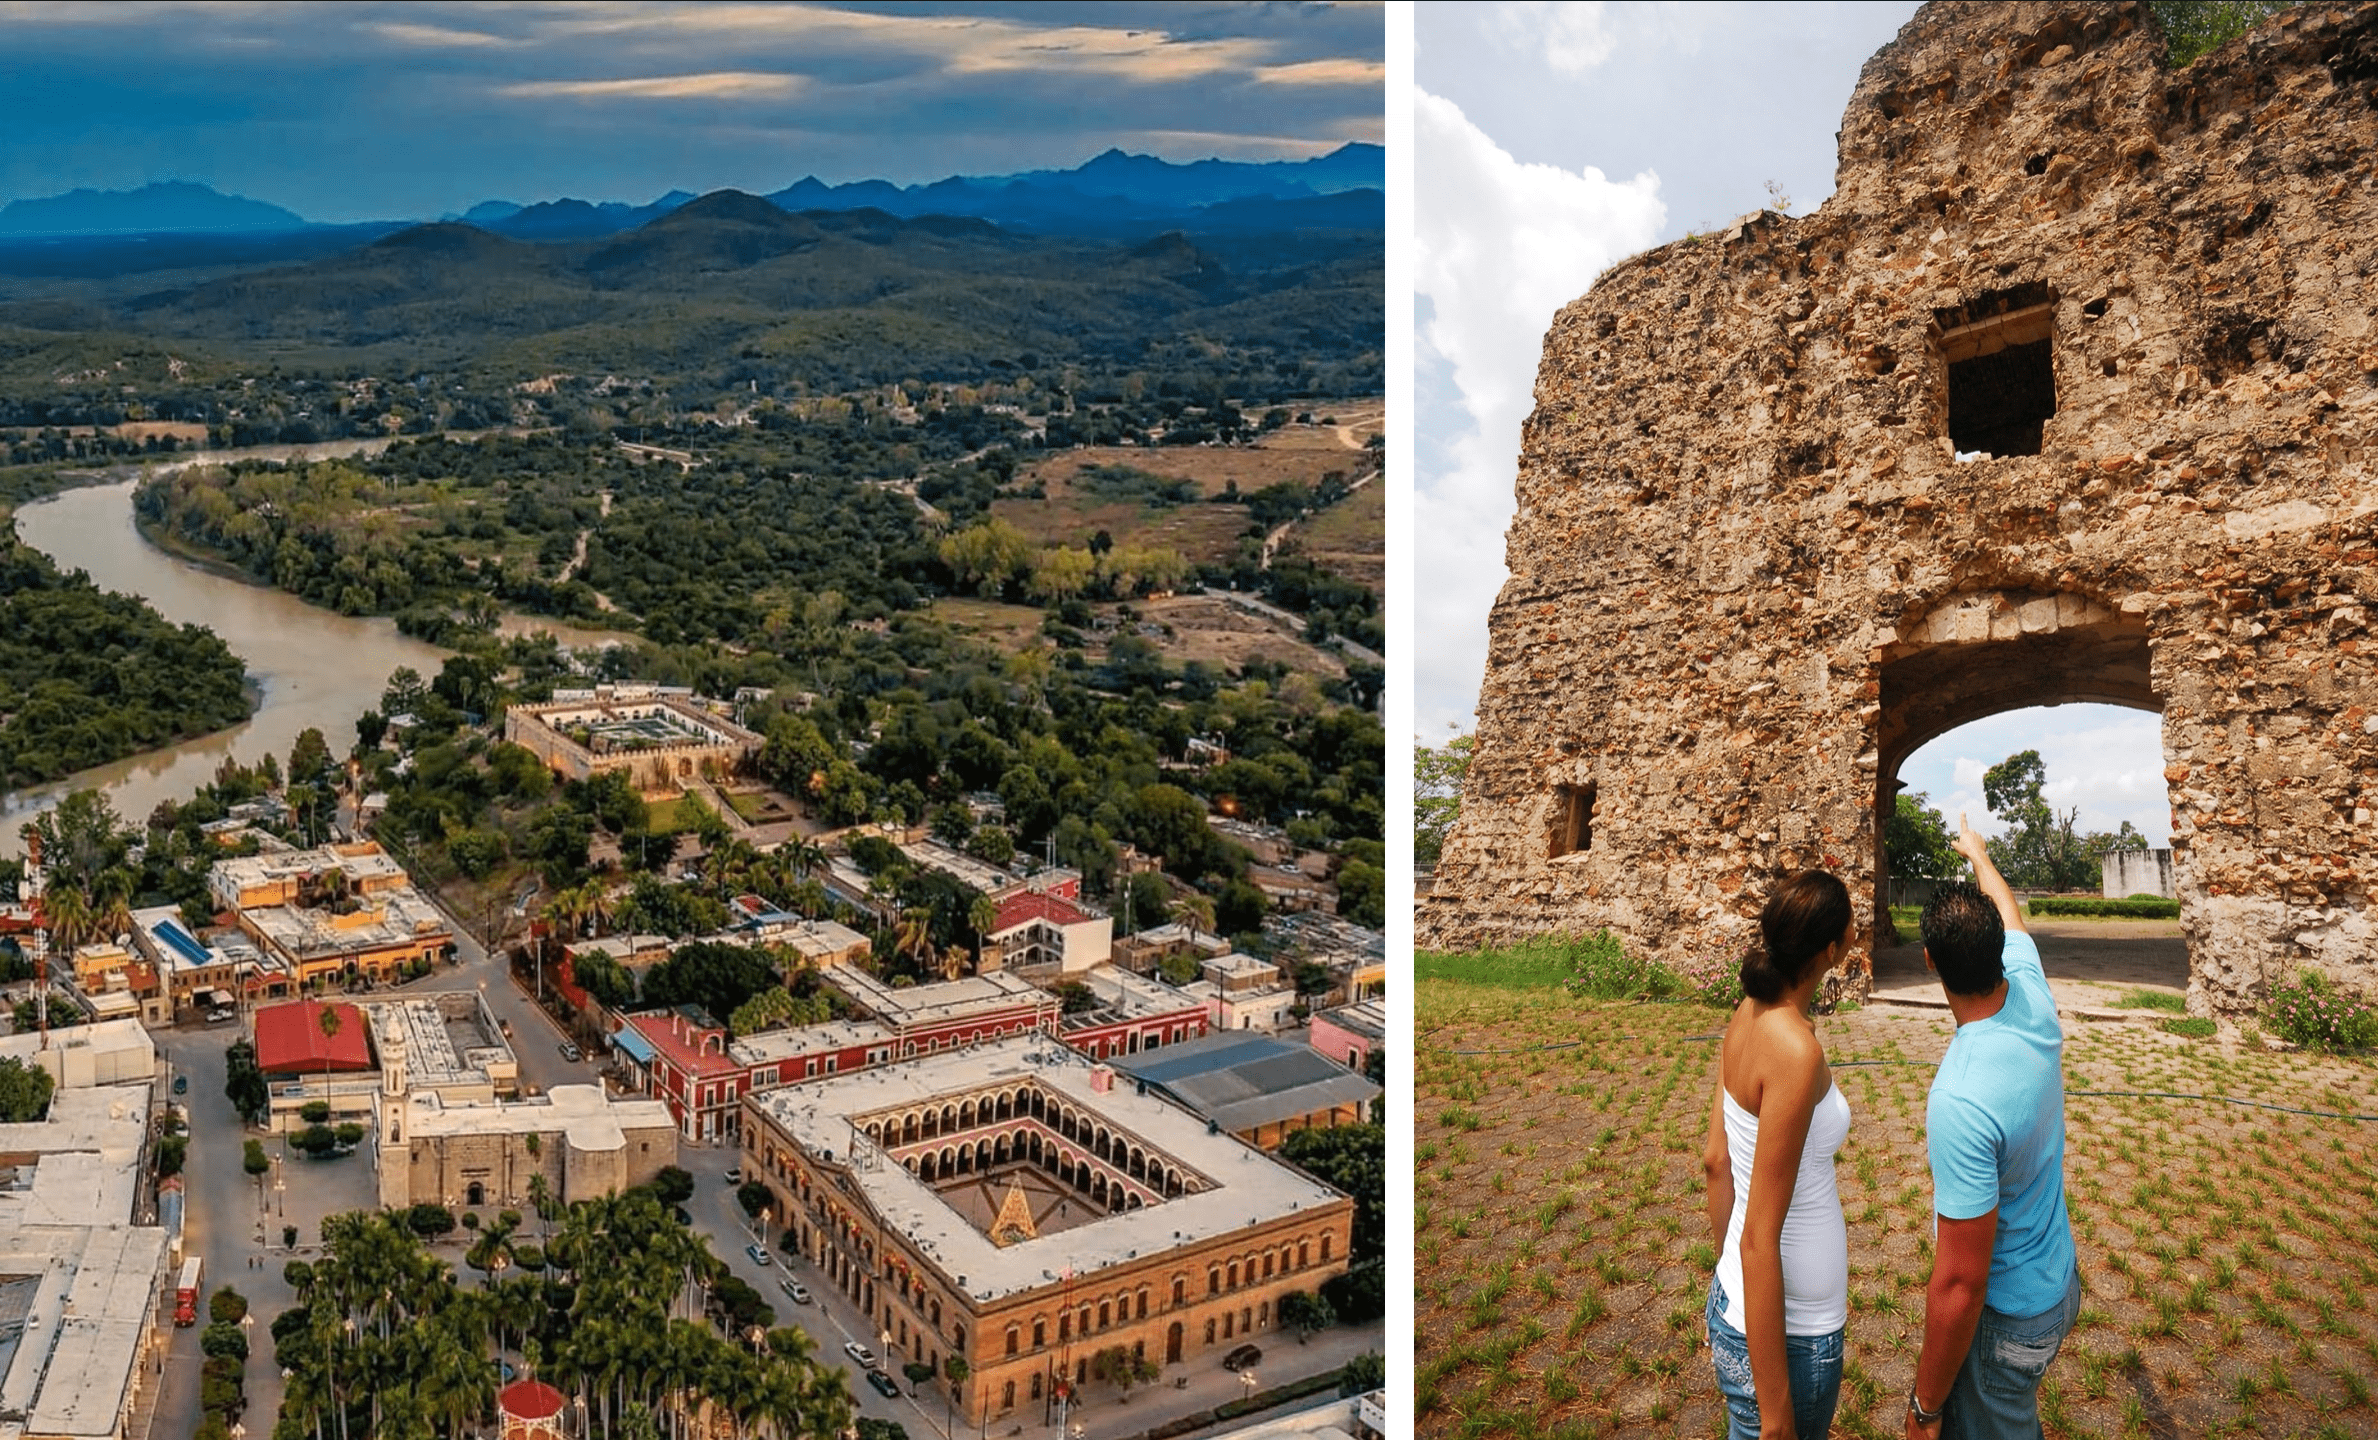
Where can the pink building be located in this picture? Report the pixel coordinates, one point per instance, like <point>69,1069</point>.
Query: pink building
<point>1349,1033</point>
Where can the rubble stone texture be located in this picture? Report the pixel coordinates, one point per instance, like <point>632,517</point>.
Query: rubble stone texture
<point>1750,574</point>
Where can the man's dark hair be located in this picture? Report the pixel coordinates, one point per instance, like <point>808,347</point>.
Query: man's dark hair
<point>1965,939</point>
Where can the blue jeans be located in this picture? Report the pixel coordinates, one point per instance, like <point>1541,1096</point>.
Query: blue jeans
<point>1996,1396</point>
<point>1812,1363</point>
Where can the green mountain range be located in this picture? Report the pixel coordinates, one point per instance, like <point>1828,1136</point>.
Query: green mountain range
<point>828,297</point>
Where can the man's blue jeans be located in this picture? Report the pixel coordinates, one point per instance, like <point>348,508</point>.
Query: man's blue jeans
<point>1812,1362</point>
<point>1996,1396</point>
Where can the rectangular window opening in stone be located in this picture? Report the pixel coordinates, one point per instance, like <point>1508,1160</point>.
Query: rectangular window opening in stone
<point>2002,380</point>
<point>1572,819</point>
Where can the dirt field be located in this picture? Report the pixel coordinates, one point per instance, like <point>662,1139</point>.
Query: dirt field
<point>1204,629</point>
<point>1563,1254</point>
<point>1222,634</point>
<point>1357,421</point>
<point>1009,627</point>
<point>1350,537</point>
<point>1074,510</point>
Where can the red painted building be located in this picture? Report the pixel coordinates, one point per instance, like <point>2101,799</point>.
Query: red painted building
<point>1133,1013</point>
<point>949,1014</point>
<point>692,1066</point>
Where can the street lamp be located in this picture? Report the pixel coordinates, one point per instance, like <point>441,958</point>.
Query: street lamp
<point>765,1216</point>
<point>1247,1382</point>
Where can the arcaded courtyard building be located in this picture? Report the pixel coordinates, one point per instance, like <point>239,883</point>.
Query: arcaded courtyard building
<point>661,737</point>
<point>1019,1206</point>
<point>2069,392</point>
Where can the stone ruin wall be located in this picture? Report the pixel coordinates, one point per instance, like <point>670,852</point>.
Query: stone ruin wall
<point>1749,576</point>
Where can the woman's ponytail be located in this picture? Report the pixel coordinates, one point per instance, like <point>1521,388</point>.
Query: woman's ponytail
<point>1805,915</point>
<point>1761,981</point>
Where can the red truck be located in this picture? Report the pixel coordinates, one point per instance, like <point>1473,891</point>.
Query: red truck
<point>185,1294</point>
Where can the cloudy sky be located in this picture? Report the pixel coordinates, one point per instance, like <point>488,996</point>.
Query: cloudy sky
<point>1554,139</point>
<point>371,111</point>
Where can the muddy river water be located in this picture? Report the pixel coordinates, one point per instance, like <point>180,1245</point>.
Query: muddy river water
<point>313,667</point>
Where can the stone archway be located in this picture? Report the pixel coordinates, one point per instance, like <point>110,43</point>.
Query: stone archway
<point>1987,652</point>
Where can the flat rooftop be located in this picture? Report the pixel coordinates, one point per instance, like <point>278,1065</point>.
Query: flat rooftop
<point>450,1039</point>
<point>588,1118</point>
<point>404,916</point>
<point>88,1294</point>
<point>1241,1080</point>
<point>941,1003</point>
<point>959,865</point>
<point>1247,1187</point>
<point>167,941</point>
<point>1124,996</point>
<point>773,1047</point>
<point>1367,1018</point>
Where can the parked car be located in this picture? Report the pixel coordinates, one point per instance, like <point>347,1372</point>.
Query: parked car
<point>735,1176</point>
<point>1243,1358</point>
<point>181,1084</point>
<point>759,1254</point>
<point>794,1290</point>
<point>859,1352</point>
<point>884,1384</point>
<point>571,1052</point>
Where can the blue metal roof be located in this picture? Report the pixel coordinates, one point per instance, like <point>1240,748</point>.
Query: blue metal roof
<point>634,1046</point>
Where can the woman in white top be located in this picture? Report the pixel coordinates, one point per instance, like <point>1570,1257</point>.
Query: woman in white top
<point>1779,1303</point>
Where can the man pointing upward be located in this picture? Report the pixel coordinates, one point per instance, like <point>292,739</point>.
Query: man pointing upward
<point>2005,1286</point>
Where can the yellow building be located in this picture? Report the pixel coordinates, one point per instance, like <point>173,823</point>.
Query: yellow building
<point>332,913</point>
<point>1013,1205</point>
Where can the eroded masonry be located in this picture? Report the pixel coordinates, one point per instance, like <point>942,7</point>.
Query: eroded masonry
<point>2068,393</point>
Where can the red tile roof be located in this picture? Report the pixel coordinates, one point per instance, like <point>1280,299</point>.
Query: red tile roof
<point>289,1039</point>
<point>682,1043</point>
<point>1026,906</point>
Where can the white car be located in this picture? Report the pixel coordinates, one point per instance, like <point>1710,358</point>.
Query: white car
<point>860,1353</point>
<point>794,1290</point>
<point>735,1176</point>
<point>759,1254</point>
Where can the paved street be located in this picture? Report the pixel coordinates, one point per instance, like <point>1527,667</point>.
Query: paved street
<point>222,1226</point>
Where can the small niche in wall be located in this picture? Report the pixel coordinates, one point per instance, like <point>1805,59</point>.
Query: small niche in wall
<point>1572,819</point>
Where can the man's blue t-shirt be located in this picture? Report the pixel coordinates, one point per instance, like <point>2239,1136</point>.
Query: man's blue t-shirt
<point>1995,1127</point>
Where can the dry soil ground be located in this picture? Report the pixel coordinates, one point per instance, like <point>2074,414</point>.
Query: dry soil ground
<point>1214,631</point>
<point>2229,1254</point>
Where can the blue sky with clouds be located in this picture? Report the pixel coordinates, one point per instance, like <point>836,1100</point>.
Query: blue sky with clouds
<point>370,111</point>
<point>1554,139</point>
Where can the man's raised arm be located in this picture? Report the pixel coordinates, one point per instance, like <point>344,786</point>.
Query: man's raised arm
<point>1985,874</point>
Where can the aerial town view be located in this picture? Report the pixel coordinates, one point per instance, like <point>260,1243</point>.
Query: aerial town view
<point>753,814</point>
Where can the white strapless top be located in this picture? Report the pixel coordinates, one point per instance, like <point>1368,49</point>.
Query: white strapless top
<point>1816,1247</point>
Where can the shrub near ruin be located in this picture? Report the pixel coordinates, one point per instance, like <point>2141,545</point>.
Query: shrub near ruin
<point>2311,1011</point>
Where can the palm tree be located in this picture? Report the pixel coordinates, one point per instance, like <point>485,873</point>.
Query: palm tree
<point>1198,910</point>
<point>112,903</point>
<point>804,855</point>
<point>982,915</point>
<point>67,911</point>
<point>914,939</point>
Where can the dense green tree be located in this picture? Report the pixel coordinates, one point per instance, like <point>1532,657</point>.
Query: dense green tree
<point>1353,1158</point>
<point>24,1091</point>
<point>1918,843</point>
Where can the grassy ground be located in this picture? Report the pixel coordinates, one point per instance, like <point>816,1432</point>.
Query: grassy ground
<point>2229,1255</point>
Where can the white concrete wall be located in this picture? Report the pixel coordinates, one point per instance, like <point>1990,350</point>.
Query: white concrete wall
<point>2138,872</point>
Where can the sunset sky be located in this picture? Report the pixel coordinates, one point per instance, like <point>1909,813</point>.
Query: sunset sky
<point>380,111</point>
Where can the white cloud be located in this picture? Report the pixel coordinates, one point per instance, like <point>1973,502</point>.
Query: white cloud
<point>2103,760</point>
<point>717,85</point>
<point>1500,246</point>
<point>1572,38</point>
<point>438,37</point>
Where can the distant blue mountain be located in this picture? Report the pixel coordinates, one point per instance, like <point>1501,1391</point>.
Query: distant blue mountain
<point>1113,193</point>
<point>167,206</point>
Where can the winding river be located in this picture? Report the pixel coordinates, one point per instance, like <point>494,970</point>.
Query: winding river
<point>312,666</point>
